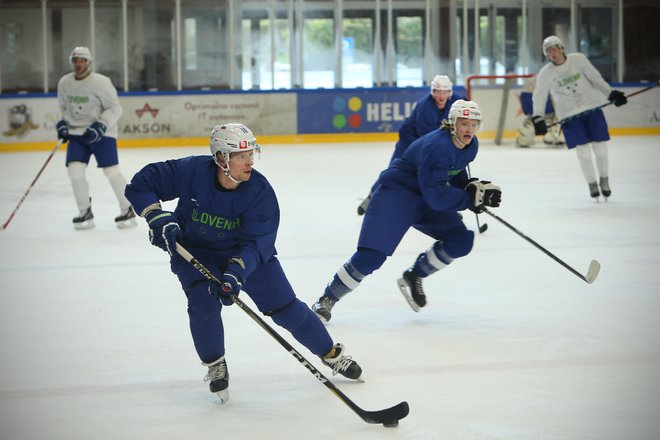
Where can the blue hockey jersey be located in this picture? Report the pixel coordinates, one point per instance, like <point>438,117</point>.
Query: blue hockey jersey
<point>216,222</point>
<point>435,169</point>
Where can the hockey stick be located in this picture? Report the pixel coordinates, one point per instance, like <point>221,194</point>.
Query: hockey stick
<point>594,267</point>
<point>483,228</point>
<point>387,417</point>
<point>586,112</point>
<point>52,153</point>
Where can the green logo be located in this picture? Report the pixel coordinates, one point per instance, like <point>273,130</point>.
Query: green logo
<point>215,221</point>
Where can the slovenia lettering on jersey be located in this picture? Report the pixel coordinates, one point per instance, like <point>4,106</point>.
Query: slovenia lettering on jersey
<point>571,79</point>
<point>215,220</point>
<point>78,99</point>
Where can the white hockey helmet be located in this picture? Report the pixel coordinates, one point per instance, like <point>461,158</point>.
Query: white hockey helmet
<point>441,82</point>
<point>231,137</point>
<point>550,41</point>
<point>464,109</point>
<point>81,52</point>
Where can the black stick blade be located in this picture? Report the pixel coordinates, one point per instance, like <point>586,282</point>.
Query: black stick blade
<point>388,415</point>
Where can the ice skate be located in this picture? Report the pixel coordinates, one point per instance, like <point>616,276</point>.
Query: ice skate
<point>126,219</point>
<point>218,376</point>
<point>322,308</point>
<point>85,220</point>
<point>342,364</point>
<point>362,207</point>
<point>605,187</point>
<point>593,190</point>
<point>411,288</point>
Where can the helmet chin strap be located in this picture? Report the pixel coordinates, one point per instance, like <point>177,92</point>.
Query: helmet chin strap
<point>225,170</point>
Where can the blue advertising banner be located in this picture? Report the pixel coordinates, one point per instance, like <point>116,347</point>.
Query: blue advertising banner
<point>356,110</point>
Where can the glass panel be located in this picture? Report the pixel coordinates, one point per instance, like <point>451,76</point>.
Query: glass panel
<point>21,52</point>
<point>318,52</point>
<point>357,52</point>
<point>409,50</point>
<point>109,56</point>
<point>204,49</point>
<point>151,56</point>
<point>70,28</point>
<point>595,39</point>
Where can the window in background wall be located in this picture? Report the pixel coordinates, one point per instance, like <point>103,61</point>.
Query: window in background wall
<point>108,58</point>
<point>357,48</point>
<point>595,39</point>
<point>319,53</point>
<point>69,27</point>
<point>409,50</point>
<point>22,52</point>
<point>190,43</point>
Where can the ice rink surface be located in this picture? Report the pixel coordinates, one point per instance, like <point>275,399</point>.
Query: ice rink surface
<point>95,341</point>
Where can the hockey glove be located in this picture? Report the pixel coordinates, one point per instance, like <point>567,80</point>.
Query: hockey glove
<point>540,126</point>
<point>617,98</point>
<point>62,130</point>
<point>483,194</point>
<point>94,133</point>
<point>163,230</point>
<point>230,283</point>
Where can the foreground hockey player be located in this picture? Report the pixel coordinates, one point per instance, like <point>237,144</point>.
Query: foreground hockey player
<point>90,111</point>
<point>576,87</point>
<point>428,114</point>
<point>423,189</point>
<point>227,215</point>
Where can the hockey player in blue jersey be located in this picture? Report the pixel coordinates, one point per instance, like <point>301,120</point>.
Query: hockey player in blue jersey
<point>424,189</point>
<point>227,215</point>
<point>428,114</point>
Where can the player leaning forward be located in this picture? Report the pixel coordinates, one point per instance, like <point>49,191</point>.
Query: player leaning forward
<point>227,215</point>
<point>576,87</point>
<point>90,110</point>
<point>424,189</point>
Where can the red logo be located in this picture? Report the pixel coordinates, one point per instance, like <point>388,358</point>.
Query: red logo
<point>147,108</point>
<point>466,112</point>
<point>242,145</point>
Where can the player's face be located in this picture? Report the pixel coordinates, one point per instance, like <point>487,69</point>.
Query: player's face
<point>440,97</point>
<point>240,165</point>
<point>466,129</point>
<point>555,55</point>
<point>79,65</point>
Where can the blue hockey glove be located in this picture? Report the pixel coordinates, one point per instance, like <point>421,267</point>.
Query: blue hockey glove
<point>230,283</point>
<point>163,230</point>
<point>540,127</point>
<point>62,130</point>
<point>483,194</point>
<point>94,133</point>
<point>617,98</point>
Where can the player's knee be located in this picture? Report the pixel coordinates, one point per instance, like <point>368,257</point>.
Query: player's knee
<point>366,261</point>
<point>292,316</point>
<point>111,171</point>
<point>458,244</point>
<point>76,170</point>
<point>201,304</point>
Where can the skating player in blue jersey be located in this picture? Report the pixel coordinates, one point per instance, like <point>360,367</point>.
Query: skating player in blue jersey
<point>428,114</point>
<point>227,215</point>
<point>423,189</point>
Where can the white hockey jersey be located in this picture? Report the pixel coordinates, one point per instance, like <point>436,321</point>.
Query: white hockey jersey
<point>575,86</point>
<point>85,101</point>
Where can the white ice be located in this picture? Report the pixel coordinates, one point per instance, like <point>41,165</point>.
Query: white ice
<point>95,341</point>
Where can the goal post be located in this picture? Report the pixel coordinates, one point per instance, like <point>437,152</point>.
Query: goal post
<point>498,97</point>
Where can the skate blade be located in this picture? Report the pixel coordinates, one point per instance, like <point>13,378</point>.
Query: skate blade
<point>223,395</point>
<point>87,224</point>
<point>126,224</point>
<point>405,290</point>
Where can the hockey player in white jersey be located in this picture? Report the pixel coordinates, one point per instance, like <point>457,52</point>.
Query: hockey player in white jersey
<point>576,88</point>
<point>90,110</point>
